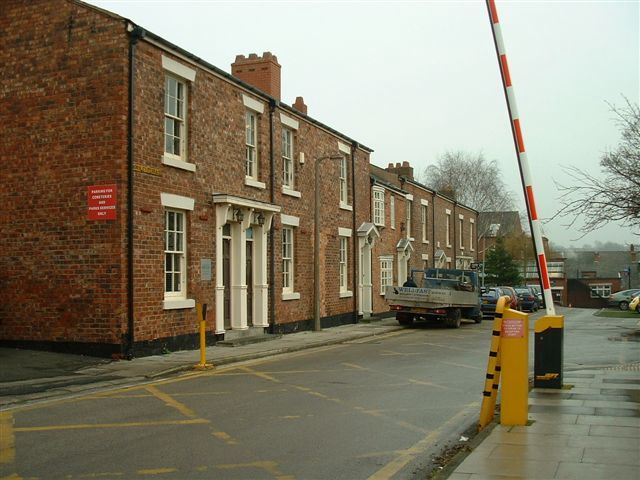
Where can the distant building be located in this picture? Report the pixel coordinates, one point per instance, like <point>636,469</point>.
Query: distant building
<point>594,275</point>
<point>418,228</point>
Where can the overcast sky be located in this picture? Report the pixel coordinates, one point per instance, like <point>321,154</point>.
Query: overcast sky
<point>414,79</point>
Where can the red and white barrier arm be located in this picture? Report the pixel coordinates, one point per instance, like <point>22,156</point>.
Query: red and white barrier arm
<point>522,156</point>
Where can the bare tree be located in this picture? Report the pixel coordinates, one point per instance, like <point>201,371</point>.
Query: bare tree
<point>614,196</point>
<point>471,180</point>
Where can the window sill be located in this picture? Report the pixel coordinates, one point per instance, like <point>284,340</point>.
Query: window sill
<point>426,242</point>
<point>291,296</point>
<point>250,182</point>
<point>179,304</point>
<point>346,294</point>
<point>176,162</point>
<point>291,193</point>
<point>345,206</point>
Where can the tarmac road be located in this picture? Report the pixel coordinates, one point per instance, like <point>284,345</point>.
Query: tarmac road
<point>373,408</point>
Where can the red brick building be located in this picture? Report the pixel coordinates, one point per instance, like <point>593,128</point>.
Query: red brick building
<point>416,228</point>
<point>145,180</point>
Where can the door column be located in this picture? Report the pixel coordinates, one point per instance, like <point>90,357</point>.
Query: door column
<point>366,285</point>
<point>221,219</point>
<point>242,219</point>
<point>260,270</point>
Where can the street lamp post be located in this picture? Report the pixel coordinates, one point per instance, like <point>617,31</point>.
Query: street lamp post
<point>316,242</point>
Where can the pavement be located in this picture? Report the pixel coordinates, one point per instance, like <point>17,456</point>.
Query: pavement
<point>589,429</point>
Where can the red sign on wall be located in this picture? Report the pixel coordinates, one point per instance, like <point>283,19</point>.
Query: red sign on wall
<point>102,201</point>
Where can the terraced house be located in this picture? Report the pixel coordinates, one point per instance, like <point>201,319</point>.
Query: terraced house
<point>147,180</point>
<point>418,228</point>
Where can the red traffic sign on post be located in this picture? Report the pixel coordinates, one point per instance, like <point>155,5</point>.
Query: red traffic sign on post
<point>101,202</point>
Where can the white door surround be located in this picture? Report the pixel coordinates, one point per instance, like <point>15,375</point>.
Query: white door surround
<point>367,235</point>
<point>242,213</point>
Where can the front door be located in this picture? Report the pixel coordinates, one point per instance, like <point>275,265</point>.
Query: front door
<point>226,275</point>
<point>249,276</point>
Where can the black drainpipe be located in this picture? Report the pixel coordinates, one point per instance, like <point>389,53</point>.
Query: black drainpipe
<point>455,237</point>
<point>433,227</point>
<point>273,104</point>
<point>354,148</point>
<point>136,34</point>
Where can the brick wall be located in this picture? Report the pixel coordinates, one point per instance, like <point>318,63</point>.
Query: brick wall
<point>64,96</point>
<point>64,278</point>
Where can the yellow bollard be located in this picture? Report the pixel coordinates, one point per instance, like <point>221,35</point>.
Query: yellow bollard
<point>514,349</point>
<point>201,311</point>
<point>492,380</point>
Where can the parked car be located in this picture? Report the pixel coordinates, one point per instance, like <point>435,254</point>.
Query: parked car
<point>514,296</point>
<point>622,299</point>
<point>527,299</point>
<point>539,294</point>
<point>489,300</point>
<point>634,304</point>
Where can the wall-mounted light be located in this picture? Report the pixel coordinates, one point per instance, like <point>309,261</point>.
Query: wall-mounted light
<point>238,215</point>
<point>260,219</point>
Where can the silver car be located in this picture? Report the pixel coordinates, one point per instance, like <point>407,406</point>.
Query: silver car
<point>621,299</point>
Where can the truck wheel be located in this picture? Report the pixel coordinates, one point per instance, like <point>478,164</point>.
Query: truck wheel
<point>404,319</point>
<point>453,318</point>
<point>478,318</point>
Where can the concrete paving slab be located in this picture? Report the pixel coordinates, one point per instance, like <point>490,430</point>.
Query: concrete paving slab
<point>608,420</point>
<point>591,471</point>
<point>607,431</point>
<point>553,417</point>
<point>610,456</point>
<point>620,443</point>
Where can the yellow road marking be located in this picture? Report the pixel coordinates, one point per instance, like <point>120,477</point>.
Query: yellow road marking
<point>172,402</point>
<point>260,374</point>
<point>13,476</point>
<point>406,456</point>
<point>388,353</point>
<point>85,426</point>
<point>7,439</point>
<point>462,365</point>
<point>156,471</point>
<point>393,375</point>
<point>97,475</point>
<point>225,437</point>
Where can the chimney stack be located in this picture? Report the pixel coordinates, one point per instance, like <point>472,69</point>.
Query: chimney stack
<point>260,72</point>
<point>404,169</point>
<point>300,105</point>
